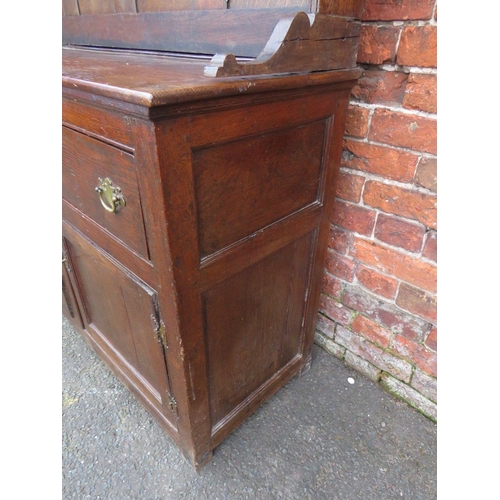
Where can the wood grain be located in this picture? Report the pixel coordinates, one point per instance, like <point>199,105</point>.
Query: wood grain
<point>253,325</point>
<point>299,44</point>
<point>167,5</point>
<point>70,8</point>
<point>201,294</point>
<point>243,186</point>
<point>244,33</point>
<point>348,8</point>
<point>119,304</point>
<point>70,307</point>
<point>268,4</point>
<point>106,6</point>
<point>85,160</point>
<point>101,124</point>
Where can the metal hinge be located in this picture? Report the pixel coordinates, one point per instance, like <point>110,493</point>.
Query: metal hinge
<point>66,262</point>
<point>172,402</point>
<point>160,331</point>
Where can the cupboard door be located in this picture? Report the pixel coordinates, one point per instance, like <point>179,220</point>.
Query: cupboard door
<point>121,316</point>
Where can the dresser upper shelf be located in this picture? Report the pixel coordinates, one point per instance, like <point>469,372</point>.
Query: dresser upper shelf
<point>236,42</point>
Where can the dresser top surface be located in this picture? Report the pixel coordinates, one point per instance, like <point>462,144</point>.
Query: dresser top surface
<point>149,79</point>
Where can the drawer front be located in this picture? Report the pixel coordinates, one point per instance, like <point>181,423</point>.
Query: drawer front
<point>87,163</point>
<point>110,127</point>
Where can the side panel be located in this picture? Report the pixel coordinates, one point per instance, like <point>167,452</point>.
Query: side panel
<point>249,183</point>
<point>254,325</point>
<point>245,190</point>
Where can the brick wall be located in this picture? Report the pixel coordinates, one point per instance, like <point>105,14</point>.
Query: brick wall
<point>378,305</point>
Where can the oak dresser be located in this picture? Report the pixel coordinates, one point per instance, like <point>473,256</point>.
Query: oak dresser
<point>201,148</point>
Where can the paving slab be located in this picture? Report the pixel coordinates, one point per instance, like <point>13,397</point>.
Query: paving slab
<point>320,437</point>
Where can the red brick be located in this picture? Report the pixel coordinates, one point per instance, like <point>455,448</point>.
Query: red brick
<point>380,160</point>
<point>418,302</point>
<point>430,246</point>
<point>426,175</point>
<point>326,326</point>
<point>386,314</point>
<point>356,219</point>
<point>418,46</point>
<point>375,355</point>
<point>340,266</point>
<point>339,240</point>
<point>335,310</point>
<point>418,354</point>
<point>395,10</point>
<point>377,44</point>
<point>399,233</point>
<point>403,130</point>
<point>381,87</point>
<point>332,286</point>
<point>349,187</point>
<point>421,93</point>
<point>404,202</point>
<point>357,121</point>
<point>432,339</point>
<point>402,266</point>
<point>371,331</point>
<point>376,282</point>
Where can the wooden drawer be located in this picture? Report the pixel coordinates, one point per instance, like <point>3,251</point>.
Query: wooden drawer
<point>110,127</point>
<point>85,161</point>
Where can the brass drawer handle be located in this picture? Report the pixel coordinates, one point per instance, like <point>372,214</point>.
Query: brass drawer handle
<point>111,196</point>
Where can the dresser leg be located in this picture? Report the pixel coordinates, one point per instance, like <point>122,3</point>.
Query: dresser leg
<point>203,460</point>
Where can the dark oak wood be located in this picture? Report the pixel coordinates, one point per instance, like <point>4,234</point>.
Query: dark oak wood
<point>70,307</point>
<point>254,338</point>
<point>197,31</point>
<point>280,40</point>
<point>306,5</point>
<point>85,161</point>
<point>349,8</point>
<point>201,293</point>
<point>106,6</point>
<point>283,165</point>
<point>144,84</point>
<point>166,5</point>
<point>70,8</point>
<point>100,123</point>
<point>302,43</point>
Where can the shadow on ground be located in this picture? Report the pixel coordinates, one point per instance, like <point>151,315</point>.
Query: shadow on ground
<point>318,438</point>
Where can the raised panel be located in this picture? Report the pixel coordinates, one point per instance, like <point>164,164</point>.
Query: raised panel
<point>244,185</point>
<point>254,325</point>
<point>121,312</point>
<point>85,161</point>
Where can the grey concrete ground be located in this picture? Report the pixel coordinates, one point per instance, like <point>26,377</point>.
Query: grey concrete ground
<point>319,437</point>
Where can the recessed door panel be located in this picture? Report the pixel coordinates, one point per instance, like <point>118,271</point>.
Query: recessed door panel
<point>121,311</point>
